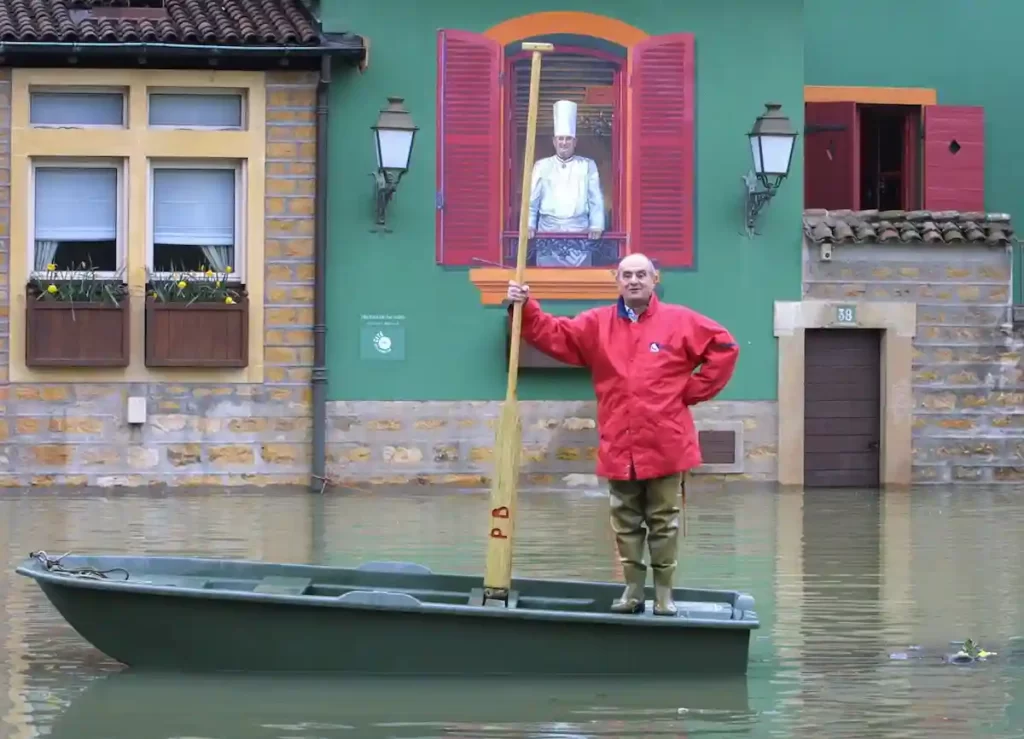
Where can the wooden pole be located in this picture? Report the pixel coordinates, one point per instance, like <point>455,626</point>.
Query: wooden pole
<point>508,444</point>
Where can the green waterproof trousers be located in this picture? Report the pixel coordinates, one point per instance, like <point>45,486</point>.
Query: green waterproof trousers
<point>656,504</point>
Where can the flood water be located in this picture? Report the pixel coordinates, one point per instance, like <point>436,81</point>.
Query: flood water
<point>860,595</point>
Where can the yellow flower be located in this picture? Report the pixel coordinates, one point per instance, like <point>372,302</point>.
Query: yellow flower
<point>229,300</point>
<point>51,289</point>
<point>208,273</point>
<point>51,268</point>
<point>182,285</point>
<point>228,269</point>
<point>217,284</point>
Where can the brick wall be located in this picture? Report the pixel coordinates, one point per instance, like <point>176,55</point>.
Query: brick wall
<point>452,442</point>
<point>968,381</point>
<point>209,434</point>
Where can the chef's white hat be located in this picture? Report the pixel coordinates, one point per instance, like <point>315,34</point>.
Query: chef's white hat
<point>565,118</point>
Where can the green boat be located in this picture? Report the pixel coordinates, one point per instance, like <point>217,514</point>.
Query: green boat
<point>386,618</point>
<point>134,705</point>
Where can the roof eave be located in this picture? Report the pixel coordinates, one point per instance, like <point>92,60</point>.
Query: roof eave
<point>341,46</point>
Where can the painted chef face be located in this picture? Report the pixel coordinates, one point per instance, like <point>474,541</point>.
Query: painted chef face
<point>565,146</point>
<point>636,277</point>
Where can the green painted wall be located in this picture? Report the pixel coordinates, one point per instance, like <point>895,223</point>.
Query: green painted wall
<point>748,53</point>
<point>963,49</point>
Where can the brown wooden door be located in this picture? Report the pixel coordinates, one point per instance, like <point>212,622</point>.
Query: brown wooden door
<point>842,407</point>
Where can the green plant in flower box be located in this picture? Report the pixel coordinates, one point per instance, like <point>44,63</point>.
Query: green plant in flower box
<point>205,286</point>
<point>82,285</point>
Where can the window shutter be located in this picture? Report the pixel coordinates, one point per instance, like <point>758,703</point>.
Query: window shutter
<point>468,149</point>
<point>661,223</point>
<point>954,158</point>
<point>831,158</point>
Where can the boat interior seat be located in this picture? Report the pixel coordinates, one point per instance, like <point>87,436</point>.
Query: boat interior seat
<point>278,585</point>
<point>701,609</point>
<point>176,581</point>
<point>388,598</point>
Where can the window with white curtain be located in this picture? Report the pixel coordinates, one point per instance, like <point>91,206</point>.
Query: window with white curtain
<point>76,108</point>
<point>194,219</point>
<point>75,217</point>
<point>207,110</point>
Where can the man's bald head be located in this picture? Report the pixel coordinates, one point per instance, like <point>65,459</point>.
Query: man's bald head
<point>636,276</point>
<point>637,261</point>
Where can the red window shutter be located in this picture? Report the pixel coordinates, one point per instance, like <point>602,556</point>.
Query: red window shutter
<point>831,156</point>
<point>468,149</point>
<point>954,158</point>
<point>661,223</point>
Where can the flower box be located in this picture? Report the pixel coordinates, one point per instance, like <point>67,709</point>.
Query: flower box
<point>197,334</point>
<point>69,331</point>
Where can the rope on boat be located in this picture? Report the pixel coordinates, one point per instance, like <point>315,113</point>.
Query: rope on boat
<point>53,564</point>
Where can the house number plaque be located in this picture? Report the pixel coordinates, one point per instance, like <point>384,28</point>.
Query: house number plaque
<point>846,314</point>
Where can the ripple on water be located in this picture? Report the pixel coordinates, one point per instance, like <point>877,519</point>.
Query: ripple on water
<point>843,579</point>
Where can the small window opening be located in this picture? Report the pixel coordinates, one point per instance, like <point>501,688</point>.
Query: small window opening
<point>883,171</point>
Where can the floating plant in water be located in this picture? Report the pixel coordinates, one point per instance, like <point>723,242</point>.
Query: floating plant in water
<point>970,652</point>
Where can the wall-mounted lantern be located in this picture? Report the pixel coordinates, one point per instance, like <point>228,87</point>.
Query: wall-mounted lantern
<point>394,134</point>
<point>772,140</point>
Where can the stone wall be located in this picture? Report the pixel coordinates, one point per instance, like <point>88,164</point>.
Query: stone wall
<point>196,434</point>
<point>453,442</point>
<point>968,380</point>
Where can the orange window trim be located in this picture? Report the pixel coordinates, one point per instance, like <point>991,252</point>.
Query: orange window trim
<point>548,283</point>
<point>870,95</point>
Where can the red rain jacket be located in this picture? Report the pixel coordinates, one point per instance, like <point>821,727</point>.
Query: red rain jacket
<point>643,378</point>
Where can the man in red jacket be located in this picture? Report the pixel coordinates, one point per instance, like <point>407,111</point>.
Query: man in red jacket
<point>641,354</point>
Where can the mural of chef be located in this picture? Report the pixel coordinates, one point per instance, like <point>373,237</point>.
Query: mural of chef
<point>566,197</point>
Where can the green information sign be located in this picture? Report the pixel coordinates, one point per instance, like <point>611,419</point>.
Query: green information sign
<point>846,314</point>
<point>382,336</point>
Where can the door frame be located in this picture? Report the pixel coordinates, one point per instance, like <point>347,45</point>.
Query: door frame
<point>898,323</point>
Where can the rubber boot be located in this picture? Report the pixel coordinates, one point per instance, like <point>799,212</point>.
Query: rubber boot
<point>663,497</point>
<point>627,524</point>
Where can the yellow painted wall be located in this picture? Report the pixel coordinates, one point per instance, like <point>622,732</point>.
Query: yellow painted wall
<point>136,145</point>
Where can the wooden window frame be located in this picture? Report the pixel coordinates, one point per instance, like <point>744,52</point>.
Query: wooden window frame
<point>239,251</point>
<point>198,91</point>
<point>556,283</point>
<point>82,90</point>
<point>43,162</point>
<point>137,144</point>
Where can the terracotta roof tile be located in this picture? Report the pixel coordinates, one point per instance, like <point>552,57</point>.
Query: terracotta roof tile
<point>217,22</point>
<point>907,227</point>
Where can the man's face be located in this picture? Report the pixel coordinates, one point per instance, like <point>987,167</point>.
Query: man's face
<point>565,146</point>
<point>636,280</point>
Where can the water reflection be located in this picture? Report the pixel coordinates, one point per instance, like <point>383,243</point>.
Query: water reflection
<point>843,580</point>
<point>140,706</point>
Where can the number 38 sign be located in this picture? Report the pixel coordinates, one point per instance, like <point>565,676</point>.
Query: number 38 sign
<point>846,314</point>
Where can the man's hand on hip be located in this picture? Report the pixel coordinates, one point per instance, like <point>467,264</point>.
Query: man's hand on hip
<point>518,293</point>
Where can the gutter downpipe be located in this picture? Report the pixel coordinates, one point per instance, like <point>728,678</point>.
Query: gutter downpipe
<point>318,379</point>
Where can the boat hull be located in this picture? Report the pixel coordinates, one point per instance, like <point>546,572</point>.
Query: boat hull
<point>202,615</point>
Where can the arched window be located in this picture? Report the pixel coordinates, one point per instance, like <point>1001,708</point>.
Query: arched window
<point>632,108</point>
<point>589,73</point>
